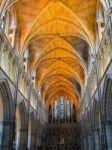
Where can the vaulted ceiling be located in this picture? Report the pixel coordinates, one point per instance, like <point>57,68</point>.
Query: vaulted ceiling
<point>59,35</point>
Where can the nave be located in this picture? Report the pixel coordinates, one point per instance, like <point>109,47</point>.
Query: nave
<point>55,74</point>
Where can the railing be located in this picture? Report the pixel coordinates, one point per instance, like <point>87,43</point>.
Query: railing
<point>11,64</point>
<point>103,58</point>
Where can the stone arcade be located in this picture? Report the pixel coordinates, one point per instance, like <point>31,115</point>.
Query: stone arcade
<point>55,74</point>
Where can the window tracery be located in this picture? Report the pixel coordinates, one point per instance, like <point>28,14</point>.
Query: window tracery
<point>62,111</point>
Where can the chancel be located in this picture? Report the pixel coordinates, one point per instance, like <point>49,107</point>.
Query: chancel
<point>55,74</point>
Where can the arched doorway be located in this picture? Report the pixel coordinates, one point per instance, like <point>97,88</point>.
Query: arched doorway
<point>6,116</point>
<point>21,128</point>
<point>32,133</point>
<point>107,111</point>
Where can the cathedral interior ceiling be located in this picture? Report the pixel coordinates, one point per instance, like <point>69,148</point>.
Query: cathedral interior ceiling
<point>59,35</point>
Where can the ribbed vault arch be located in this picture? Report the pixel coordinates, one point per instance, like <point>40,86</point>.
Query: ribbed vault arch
<point>59,38</point>
<point>60,83</point>
<point>50,15</point>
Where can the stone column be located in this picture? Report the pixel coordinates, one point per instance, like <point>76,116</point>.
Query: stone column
<point>52,113</point>
<point>89,142</point>
<point>72,114</point>
<point>58,112</point>
<point>108,128</point>
<point>33,141</point>
<point>7,135</point>
<point>23,139</point>
<point>38,142</point>
<point>96,139</point>
<point>85,144</point>
<point>65,111</point>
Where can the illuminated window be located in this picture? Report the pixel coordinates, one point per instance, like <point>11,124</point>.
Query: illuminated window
<point>55,110</point>
<point>68,107</point>
<point>61,109</point>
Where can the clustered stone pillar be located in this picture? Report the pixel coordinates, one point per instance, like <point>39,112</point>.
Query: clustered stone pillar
<point>96,139</point>
<point>90,138</point>
<point>23,139</point>
<point>33,141</point>
<point>52,113</point>
<point>89,142</point>
<point>108,127</point>
<point>58,113</point>
<point>65,111</point>
<point>85,144</point>
<point>7,135</point>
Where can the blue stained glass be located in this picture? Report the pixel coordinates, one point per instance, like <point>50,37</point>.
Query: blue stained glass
<point>55,109</point>
<point>59,110</point>
<point>68,110</point>
<point>62,108</point>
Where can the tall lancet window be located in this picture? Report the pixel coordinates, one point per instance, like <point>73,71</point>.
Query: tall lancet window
<point>68,110</point>
<point>55,111</point>
<point>61,109</point>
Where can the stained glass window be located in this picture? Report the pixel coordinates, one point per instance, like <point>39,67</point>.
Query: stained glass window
<point>68,106</point>
<point>61,108</point>
<point>55,110</point>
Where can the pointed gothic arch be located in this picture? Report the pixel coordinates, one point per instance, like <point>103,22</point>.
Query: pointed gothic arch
<point>6,115</point>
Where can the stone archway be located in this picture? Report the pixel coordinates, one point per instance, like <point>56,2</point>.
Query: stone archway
<point>21,127</point>
<point>107,111</point>
<point>6,116</point>
<point>32,132</point>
